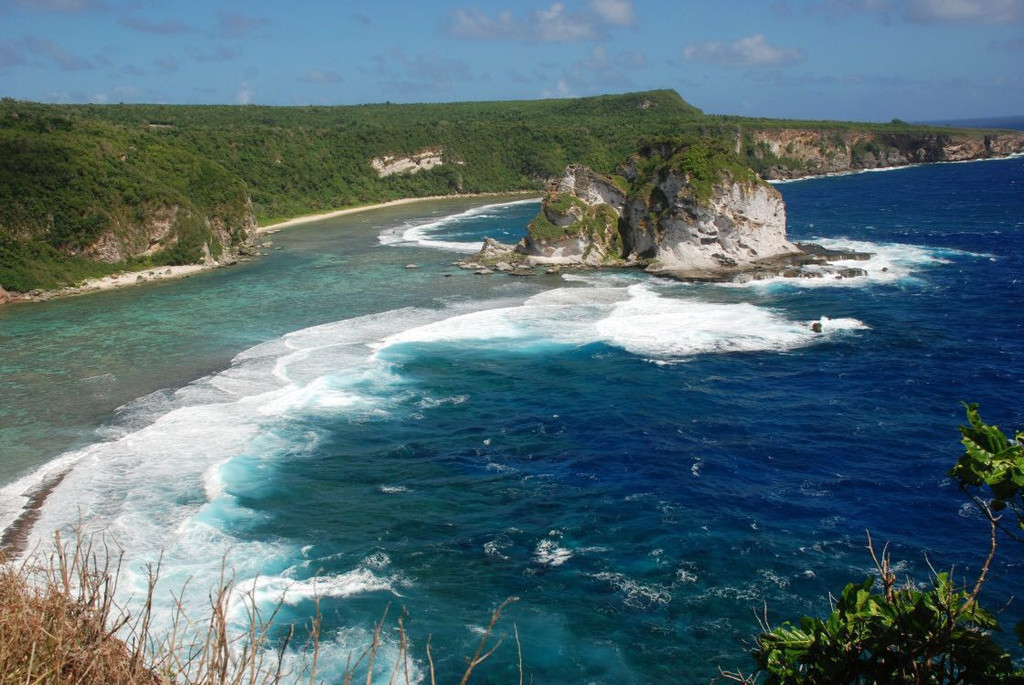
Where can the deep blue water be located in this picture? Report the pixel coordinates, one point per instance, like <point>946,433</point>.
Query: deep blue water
<point>643,463</point>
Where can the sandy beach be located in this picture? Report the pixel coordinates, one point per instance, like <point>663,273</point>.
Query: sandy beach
<point>381,205</point>
<point>119,280</point>
<point>165,273</point>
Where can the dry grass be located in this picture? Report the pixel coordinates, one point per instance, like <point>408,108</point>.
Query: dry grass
<point>57,621</point>
<point>60,623</point>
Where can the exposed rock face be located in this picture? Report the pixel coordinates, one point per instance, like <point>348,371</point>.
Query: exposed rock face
<point>160,231</point>
<point>794,153</point>
<point>741,223</point>
<point>660,218</point>
<point>694,215</point>
<point>388,165</point>
<point>579,221</point>
<point>4,296</point>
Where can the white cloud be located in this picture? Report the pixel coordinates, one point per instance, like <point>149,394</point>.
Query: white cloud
<point>555,24</point>
<point>561,90</point>
<point>244,95</point>
<point>64,59</point>
<point>925,11</point>
<point>168,27</point>
<point>235,25</point>
<point>602,71</point>
<point>473,23</point>
<point>321,77</point>
<point>614,12</point>
<point>166,64</point>
<point>752,51</point>
<point>965,11</point>
<point>425,73</point>
<point>834,9</point>
<point>10,55</point>
<point>60,5</point>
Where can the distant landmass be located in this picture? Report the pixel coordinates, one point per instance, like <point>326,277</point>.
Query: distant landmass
<point>1014,123</point>
<point>91,190</point>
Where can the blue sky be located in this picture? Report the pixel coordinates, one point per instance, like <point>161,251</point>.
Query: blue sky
<point>836,59</point>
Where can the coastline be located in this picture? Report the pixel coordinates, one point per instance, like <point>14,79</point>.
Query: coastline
<point>873,170</point>
<point>167,273</point>
<point>114,281</point>
<point>150,275</point>
<point>14,536</point>
<point>310,218</point>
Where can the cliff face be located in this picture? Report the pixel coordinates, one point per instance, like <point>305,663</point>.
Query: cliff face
<point>672,208</point>
<point>741,222</point>
<point>798,152</point>
<point>579,221</point>
<point>176,228</point>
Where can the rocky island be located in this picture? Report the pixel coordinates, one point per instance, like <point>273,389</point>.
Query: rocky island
<point>687,208</point>
<point>92,192</point>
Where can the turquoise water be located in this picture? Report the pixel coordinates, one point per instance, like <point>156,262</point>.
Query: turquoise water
<point>643,463</point>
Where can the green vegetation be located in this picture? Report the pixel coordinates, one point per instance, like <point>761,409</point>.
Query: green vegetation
<point>913,633</point>
<point>26,265</point>
<point>703,160</point>
<point>66,181</point>
<point>297,160</point>
<point>94,181</point>
<point>599,223</point>
<point>70,175</point>
<point>541,228</point>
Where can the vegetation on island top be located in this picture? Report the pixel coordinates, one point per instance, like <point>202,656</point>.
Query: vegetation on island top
<point>70,174</point>
<point>702,161</point>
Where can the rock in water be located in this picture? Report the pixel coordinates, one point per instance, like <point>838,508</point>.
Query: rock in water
<point>686,208</point>
<point>5,297</point>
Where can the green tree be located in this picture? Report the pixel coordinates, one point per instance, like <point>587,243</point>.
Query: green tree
<point>902,633</point>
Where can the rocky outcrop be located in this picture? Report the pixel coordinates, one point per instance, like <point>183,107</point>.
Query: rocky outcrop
<point>388,165</point>
<point>4,296</point>
<point>688,210</point>
<point>579,221</point>
<point>740,223</point>
<point>163,229</point>
<point>786,153</point>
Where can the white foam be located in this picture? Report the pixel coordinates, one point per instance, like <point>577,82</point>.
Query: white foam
<point>855,172</point>
<point>635,593</point>
<point>420,233</point>
<point>889,263</point>
<point>636,318</point>
<point>213,484</point>
<point>169,481</point>
<point>268,591</point>
<point>548,553</point>
<point>685,576</point>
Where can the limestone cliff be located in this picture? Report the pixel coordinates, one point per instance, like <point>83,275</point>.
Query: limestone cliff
<point>424,160</point>
<point>784,153</point>
<point>579,221</point>
<point>686,208</point>
<point>211,237</point>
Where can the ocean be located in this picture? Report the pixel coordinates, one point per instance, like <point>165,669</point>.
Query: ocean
<point>645,464</point>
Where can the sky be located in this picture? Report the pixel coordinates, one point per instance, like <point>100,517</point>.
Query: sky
<point>867,60</point>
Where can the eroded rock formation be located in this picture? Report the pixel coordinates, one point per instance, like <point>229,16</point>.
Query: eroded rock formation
<point>686,209</point>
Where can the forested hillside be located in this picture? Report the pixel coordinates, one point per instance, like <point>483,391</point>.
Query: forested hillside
<point>91,189</point>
